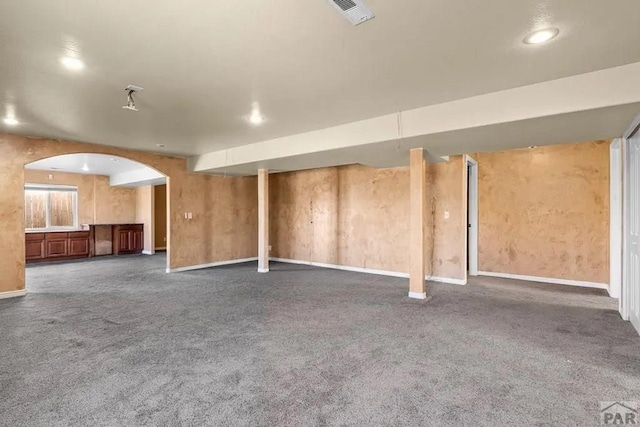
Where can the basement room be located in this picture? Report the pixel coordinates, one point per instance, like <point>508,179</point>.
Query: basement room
<point>88,205</point>
<point>322,213</point>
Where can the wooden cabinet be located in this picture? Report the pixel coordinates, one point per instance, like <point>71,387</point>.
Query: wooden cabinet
<point>79,244</point>
<point>34,247</point>
<point>56,248</point>
<point>59,245</point>
<point>128,239</point>
<point>56,245</point>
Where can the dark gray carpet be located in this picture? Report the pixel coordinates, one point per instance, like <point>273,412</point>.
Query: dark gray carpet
<point>118,342</point>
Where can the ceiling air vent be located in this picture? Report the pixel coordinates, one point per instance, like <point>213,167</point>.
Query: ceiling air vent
<point>354,10</point>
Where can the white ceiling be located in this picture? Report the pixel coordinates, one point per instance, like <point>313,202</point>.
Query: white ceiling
<point>122,172</point>
<point>203,64</point>
<point>98,164</point>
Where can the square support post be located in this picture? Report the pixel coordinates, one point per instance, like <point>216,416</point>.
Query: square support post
<point>263,221</point>
<point>417,223</point>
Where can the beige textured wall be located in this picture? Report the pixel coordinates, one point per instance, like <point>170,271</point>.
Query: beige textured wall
<point>160,216</point>
<point>545,211</point>
<point>225,218</point>
<point>447,193</point>
<point>359,216</point>
<point>97,201</point>
<point>349,215</point>
<point>373,217</point>
<point>145,215</point>
<point>303,215</point>
<point>222,207</point>
<point>113,205</point>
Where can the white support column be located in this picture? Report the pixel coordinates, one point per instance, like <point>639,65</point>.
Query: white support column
<point>263,221</point>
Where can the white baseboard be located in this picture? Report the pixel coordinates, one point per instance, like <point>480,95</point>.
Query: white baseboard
<point>343,267</point>
<point>212,264</point>
<point>148,252</point>
<point>449,280</point>
<point>263,270</point>
<point>289,261</point>
<point>546,280</point>
<point>13,294</point>
<point>369,271</point>
<point>418,295</point>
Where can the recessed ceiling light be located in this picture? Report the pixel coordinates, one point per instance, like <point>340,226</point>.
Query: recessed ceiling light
<point>541,36</point>
<point>11,121</point>
<point>72,63</point>
<point>256,118</point>
<point>160,145</point>
<point>114,160</point>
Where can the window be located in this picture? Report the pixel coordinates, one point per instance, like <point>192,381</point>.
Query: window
<point>50,207</point>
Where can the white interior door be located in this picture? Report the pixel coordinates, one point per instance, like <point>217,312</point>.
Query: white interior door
<point>632,280</point>
<point>472,215</point>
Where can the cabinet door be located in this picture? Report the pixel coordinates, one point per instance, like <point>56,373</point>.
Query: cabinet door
<point>56,248</point>
<point>138,241</point>
<point>124,238</point>
<point>35,249</point>
<point>78,247</point>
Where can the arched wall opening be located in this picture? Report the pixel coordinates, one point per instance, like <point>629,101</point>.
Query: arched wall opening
<point>223,227</point>
<point>105,204</point>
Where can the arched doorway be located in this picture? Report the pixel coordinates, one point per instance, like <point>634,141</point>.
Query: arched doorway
<point>84,206</point>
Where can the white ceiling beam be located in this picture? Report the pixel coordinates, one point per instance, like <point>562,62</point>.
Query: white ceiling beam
<point>590,91</point>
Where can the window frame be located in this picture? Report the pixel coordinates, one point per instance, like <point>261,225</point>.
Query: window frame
<point>49,188</point>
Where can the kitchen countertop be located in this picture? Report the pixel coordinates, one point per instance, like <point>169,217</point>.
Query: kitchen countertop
<point>71,230</point>
<point>109,225</point>
<point>84,227</point>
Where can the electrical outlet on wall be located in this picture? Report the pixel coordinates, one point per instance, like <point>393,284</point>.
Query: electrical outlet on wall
<point>50,176</point>
<point>190,215</point>
<point>446,214</point>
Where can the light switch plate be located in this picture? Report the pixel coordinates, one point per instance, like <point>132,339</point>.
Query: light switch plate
<point>446,214</point>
